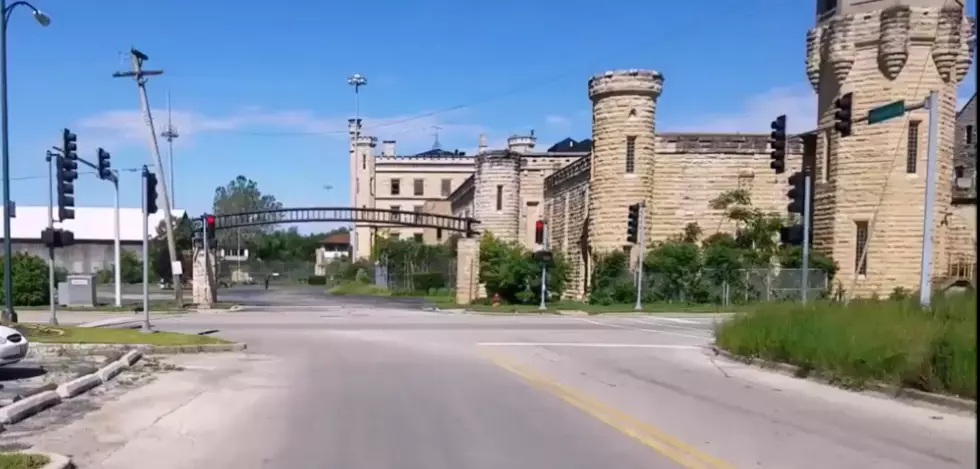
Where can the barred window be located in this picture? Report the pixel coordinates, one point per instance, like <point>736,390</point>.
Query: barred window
<point>630,155</point>
<point>861,241</point>
<point>912,155</point>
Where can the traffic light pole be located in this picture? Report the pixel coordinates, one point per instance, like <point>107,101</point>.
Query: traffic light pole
<point>544,269</point>
<point>117,274</point>
<point>146,255</point>
<point>50,157</point>
<point>805,278</point>
<point>925,270</point>
<point>639,265</point>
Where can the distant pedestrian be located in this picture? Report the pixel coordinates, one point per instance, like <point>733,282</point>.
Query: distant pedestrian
<point>267,278</point>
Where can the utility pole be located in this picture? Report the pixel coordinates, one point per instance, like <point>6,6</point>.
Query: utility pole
<point>145,205</point>
<point>170,133</point>
<point>140,76</point>
<point>925,270</point>
<point>544,264</point>
<point>50,157</point>
<point>807,208</point>
<point>639,264</point>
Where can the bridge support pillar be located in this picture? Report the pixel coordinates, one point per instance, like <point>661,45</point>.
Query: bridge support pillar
<point>203,284</point>
<point>467,270</point>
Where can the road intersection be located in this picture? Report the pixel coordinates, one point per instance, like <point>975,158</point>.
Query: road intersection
<point>368,384</point>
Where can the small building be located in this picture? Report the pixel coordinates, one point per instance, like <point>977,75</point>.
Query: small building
<point>94,235</point>
<point>332,248</point>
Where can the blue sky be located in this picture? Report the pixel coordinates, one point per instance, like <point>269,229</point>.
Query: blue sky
<point>260,89</point>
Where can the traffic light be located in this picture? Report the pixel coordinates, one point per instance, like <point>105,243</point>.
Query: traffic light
<point>67,163</point>
<point>151,191</point>
<point>777,140</point>
<point>843,115</point>
<point>104,165</point>
<point>209,227</point>
<point>796,192</point>
<point>57,237</point>
<point>633,224</point>
<point>791,235</point>
<point>539,232</point>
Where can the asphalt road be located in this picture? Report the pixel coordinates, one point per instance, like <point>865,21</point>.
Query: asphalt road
<point>349,386</point>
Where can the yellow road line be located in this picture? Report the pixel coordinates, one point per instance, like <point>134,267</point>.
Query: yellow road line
<point>656,439</point>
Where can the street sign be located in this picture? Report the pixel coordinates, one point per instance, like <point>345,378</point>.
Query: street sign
<point>888,111</point>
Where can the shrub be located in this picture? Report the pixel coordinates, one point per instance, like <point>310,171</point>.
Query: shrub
<point>30,280</point>
<point>891,341</point>
<point>362,277</point>
<point>316,280</point>
<point>132,267</point>
<point>425,281</point>
<point>612,282</point>
<point>510,270</point>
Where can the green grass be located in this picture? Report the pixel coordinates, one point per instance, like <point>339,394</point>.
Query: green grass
<point>567,305</point>
<point>101,335</point>
<point>356,288</point>
<point>22,461</point>
<point>128,306</point>
<point>892,341</point>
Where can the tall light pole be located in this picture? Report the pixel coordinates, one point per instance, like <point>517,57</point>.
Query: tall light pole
<point>357,81</point>
<point>8,283</point>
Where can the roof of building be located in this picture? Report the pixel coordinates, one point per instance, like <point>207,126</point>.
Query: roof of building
<point>437,153</point>
<point>90,223</point>
<point>966,105</point>
<point>570,145</point>
<point>340,237</point>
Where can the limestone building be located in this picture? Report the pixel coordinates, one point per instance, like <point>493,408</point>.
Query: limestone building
<point>869,187</point>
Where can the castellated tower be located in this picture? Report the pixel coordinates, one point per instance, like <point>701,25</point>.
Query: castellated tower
<point>496,201</point>
<point>872,183</point>
<point>362,183</point>
<point>623,108</point>
<point>522,143</point>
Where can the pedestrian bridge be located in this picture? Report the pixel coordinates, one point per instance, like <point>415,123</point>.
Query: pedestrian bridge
<point>373,216</point>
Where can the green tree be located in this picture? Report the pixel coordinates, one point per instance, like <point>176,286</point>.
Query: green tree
<point>612,282</point>
<point>183,232</point>
<point>30,280</point>
<point>288,245</point>
<point>510,270</point>
<point>242,195</point>
<point>131,270</point>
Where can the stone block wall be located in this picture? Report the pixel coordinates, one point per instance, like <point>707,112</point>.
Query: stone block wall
<point>203,286</point>
<point>566,207</point>
<point>693,169</point>
<point>500,169</point>
<point>868,178</point>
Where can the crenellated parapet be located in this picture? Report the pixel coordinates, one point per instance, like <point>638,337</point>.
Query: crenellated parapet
<point>632,82</point>
<point>893,31</point>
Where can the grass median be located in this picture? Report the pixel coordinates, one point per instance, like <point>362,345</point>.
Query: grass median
<point>22,461</point>
<point>40,333</point>
<point>886,341</point>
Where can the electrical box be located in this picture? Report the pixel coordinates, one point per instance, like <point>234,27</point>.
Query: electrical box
<point>77,290</point>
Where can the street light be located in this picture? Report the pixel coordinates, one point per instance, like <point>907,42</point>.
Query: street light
<point>357,81</point>
<point>8,283</point>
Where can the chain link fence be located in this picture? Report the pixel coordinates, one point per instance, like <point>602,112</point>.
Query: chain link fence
<point>230,272</point>
<point>435,273</point>
<point>735,287</point>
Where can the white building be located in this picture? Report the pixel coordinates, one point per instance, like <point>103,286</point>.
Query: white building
<point>94,234</point>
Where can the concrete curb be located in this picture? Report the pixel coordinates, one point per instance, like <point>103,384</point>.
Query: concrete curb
<point>894,392</point>
<point>31,405</point>
<point>57,461</point>
<point>28,406</point>
<point>83,350</point>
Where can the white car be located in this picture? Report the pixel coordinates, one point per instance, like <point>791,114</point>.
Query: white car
<point>13,346</point>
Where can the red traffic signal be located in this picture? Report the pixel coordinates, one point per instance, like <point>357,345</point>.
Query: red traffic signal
<point>539,232</point>
<point>209,219</point>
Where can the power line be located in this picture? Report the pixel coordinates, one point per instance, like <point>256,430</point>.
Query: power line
<point>45,176</point>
